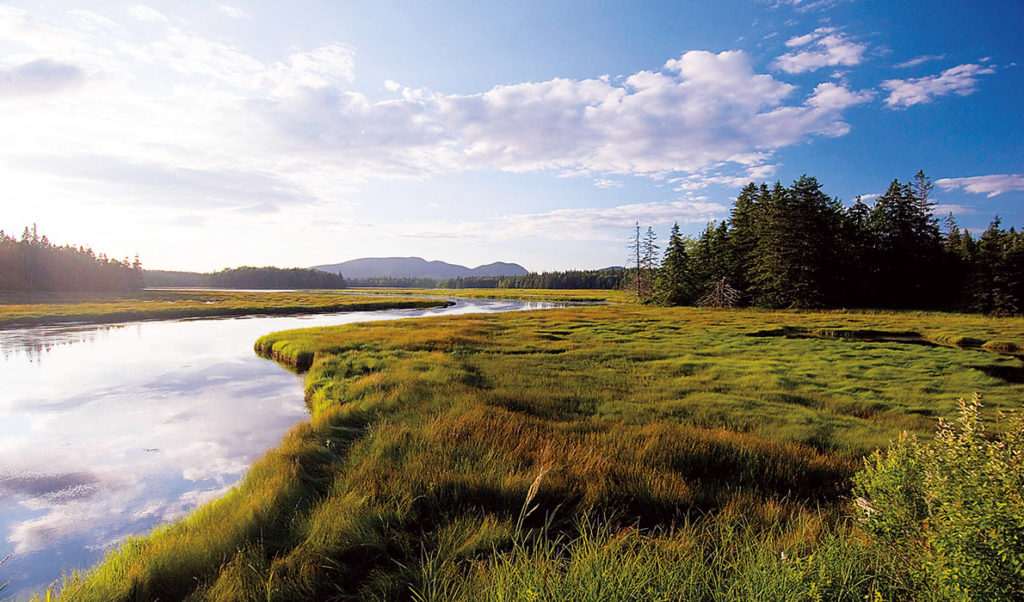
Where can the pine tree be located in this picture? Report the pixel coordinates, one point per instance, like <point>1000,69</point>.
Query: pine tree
<point>910,250</point>
<point>796,255</point>
<point>709,257</point>
<point>744,222</point>
<point>675,284</point>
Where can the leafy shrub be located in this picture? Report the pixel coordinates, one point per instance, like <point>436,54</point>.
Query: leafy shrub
<point>951,510</point>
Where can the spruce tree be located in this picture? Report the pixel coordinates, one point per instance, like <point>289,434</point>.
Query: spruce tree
<point>675,284</point>
<point>910,255</point>
<point>709,257</point>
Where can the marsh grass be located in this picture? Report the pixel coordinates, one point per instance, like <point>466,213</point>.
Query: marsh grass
<point>524,294</point>
<point>706,455</point>
<point>26,309</point>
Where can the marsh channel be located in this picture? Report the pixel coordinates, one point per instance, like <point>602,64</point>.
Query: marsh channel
<point>109,430</point>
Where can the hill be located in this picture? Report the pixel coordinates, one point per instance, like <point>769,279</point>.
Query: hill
<point>416,267</point>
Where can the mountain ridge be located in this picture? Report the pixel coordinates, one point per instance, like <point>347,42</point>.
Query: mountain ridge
<point>417,267</point>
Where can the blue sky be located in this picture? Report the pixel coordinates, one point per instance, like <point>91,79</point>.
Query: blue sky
<point>203,135</point>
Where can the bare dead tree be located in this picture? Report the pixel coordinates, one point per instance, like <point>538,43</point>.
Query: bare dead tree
<point>720,295</point>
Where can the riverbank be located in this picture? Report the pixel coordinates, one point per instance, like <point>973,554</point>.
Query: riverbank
<point>584,296</point>
<point>97,308</point>
<point>439,446</point>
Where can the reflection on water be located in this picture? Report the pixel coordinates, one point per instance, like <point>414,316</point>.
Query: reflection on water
<point>34,343</point>
<point>106,431</point>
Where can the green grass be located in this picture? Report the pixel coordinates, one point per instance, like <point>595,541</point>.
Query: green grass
<point>54,308</point>
<point>524,294</point>
<point>665,452</point>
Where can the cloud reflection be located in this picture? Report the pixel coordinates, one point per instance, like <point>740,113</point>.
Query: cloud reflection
<point>124,427</point>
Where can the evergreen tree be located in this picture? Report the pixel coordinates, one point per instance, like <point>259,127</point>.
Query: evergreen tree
<point>910,258</point>
<point>744,222</point>
<point>709,257</point>
<point>675,284</point>
<point>999,272</point>
<point>795,259</point>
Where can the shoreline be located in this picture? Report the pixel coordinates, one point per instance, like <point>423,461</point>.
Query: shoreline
<point>211,312</point>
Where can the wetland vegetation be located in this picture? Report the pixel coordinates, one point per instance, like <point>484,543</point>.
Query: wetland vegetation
<point>614,452</point>
<point>22,309</point>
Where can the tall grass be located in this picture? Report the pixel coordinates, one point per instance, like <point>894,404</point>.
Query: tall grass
<point>663,454</point>
<point>33,309</point>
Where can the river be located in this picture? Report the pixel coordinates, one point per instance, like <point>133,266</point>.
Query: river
<point>107,431</point>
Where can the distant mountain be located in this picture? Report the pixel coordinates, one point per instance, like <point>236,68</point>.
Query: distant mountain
<point>415,267</point>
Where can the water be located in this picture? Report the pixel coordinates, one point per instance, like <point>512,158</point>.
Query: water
<point>106,431</point>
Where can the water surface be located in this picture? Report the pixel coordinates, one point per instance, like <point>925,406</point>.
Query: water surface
<point>106,431</point>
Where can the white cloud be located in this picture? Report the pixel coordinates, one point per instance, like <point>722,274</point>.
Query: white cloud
<point>699,181</point>
<point>609,223</point>
<point>41,76</point>
<point>925,58</point>
<point>704,109</point>
<point>233,12</point>
<point>961,80</point>
<point>220,128</point>
<point>147,14</point>
<point>606,183</point>
<point>825,48</point>
<point>992,185</point>
<point>327,66</point>
<point>804,6</point>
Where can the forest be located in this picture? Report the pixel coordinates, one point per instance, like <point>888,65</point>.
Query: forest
<point>609,278</point>
<point>796,247</point>
<point>271,277</point>
<point>33,263</point>
<point>247,277</point>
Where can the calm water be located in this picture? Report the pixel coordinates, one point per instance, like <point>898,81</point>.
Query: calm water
<point>106,431</point>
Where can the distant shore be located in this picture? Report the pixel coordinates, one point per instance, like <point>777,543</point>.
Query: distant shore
<point>41,310</point>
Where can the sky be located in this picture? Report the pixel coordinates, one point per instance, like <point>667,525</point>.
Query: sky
<point>205,135</point>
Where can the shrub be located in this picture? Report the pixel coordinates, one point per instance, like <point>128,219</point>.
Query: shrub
<point>951,510</point>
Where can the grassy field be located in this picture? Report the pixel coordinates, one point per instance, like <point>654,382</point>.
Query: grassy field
<point>617,452</point>
<point>557,296</point>
<point>54,308</point>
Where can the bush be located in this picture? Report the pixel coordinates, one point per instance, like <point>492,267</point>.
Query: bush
<point>951,510</point>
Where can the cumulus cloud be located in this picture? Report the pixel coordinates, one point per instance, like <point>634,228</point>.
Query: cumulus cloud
<point>233,12</point>
<point>41,76</point>
<point>991,185</point>
<point>147,14</point>
<point>702,109</point>
<point>218,126</point>
<point>824,47</point>
<point>961,80</point>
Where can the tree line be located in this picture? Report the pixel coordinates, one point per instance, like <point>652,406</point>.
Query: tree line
<point>609,278</point>
<point>248,277</point>
<point>33,263</point>
<point>796,247</point>
<point>271,277</point>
